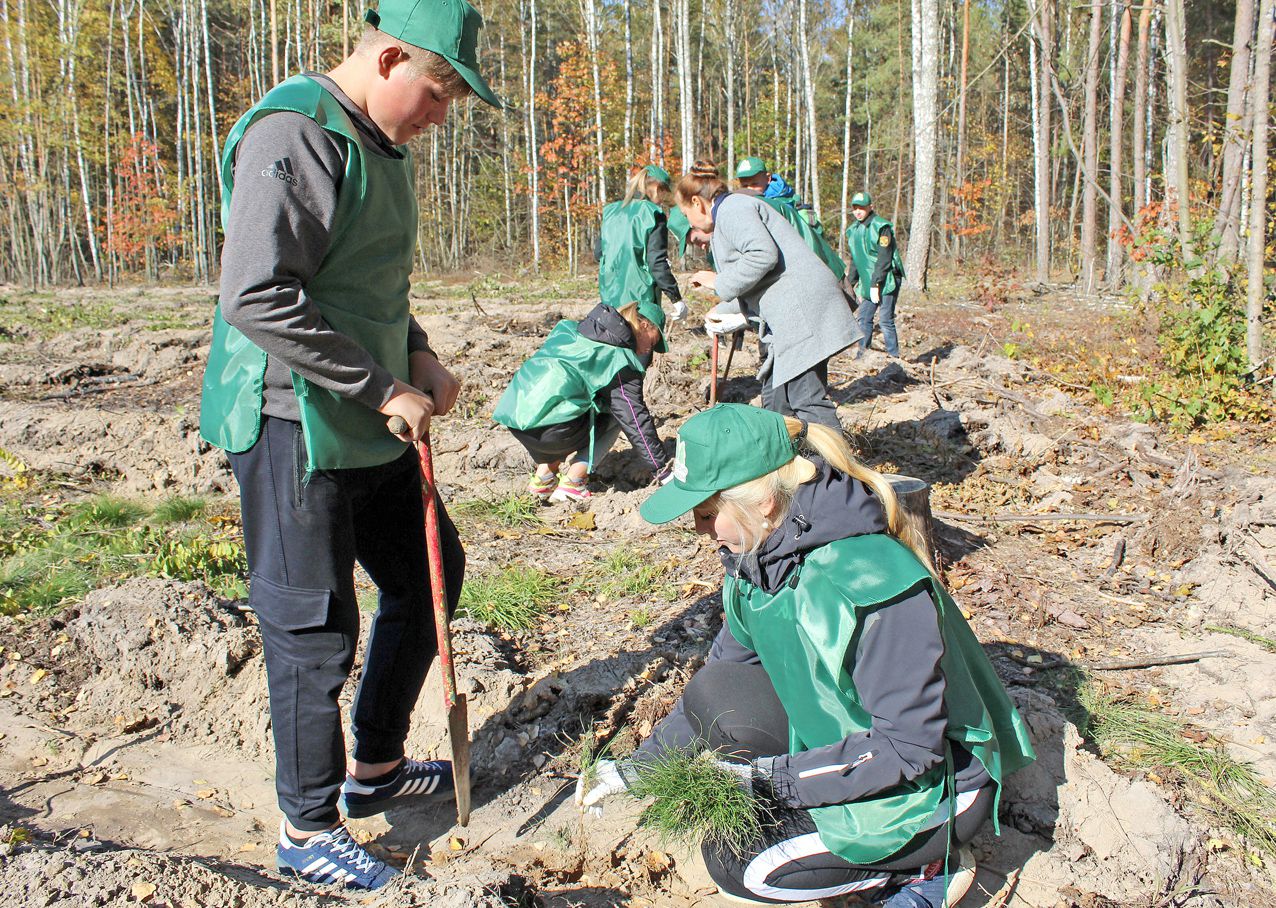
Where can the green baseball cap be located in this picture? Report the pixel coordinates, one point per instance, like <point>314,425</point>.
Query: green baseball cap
<point>749,167</point>
<point>861,199</point>
<point>651,311</point>
<point>658,173</point>
<point>449,28</point>
<point>719,449</point>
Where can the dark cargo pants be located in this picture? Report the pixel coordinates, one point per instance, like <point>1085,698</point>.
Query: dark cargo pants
<point>303,536</point>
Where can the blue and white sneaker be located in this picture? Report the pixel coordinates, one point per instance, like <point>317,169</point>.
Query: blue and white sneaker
<point>428,779</point>
<point>331,858</point>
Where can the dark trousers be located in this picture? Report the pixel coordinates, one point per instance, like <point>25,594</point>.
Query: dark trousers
<point>734,708</point>
<point>303,536</point>
<point>885,311</point>
<point>804,397</point>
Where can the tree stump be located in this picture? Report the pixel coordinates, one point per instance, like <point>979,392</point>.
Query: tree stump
<point>914,499</point>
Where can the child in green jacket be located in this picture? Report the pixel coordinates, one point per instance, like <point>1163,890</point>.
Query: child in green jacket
<point>577,393</point>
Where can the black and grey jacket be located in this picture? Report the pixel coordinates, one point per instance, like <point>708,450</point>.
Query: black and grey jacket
<point>896,666</point>
<point>624,396</point>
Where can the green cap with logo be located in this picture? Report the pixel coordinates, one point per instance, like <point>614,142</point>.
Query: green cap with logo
<point>651,311</point>
<point>449,28</point>
<point>719,449</point>
<point>749,167</point>
<point>861,199</point>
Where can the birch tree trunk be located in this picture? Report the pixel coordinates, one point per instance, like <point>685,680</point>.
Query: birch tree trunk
<point>1090,143</point>
<point>533,146</point>
<point>1141,110</point>
<point>813,157</point>
<point>629,81</point>
<point>728,28</point>
<point>846,129</point>
<point>1040,10</point>
<point>686,103</point>
<point>1116,144</point>
<point>925,120</point>
<point>1227,225</point>
<point>1176,96</point>
<point>1257,290</point>
<point>591,37</point>
<point>959,178</point>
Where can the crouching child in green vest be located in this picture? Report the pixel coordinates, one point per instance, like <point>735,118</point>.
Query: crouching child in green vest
<point>845,684</point>
<point>313,348</point>
<point>633,245</point>
<point>579,391</point>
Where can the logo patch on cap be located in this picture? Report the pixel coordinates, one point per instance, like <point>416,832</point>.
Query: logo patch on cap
<point>679,468</point>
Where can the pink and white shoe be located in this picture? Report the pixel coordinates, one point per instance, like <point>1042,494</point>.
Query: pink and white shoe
<point>571,490</point>
<point>542,486</point>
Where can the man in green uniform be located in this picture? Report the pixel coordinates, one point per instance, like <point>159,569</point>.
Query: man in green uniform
<point>878,268</point>
<point>313,347</point>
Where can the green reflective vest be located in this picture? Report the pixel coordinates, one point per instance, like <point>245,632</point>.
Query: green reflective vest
<point>361,288</point>
<point>623,274</point>
<point>560,380</point>
<point>863,239</point>
<point>805,635</point>
<point>811,235</point>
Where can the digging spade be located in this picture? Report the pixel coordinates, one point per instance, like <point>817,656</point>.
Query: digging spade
<point>454,702</point>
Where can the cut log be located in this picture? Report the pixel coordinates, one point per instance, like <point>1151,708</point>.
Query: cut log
<point>914,498</point>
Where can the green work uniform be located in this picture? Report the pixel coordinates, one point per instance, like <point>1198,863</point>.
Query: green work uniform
<point>865,242</point>
<point>361,289</point>
<point>806,636</point>
<point>623,274</point>
<point>562,379</point>
<point>812,236</point>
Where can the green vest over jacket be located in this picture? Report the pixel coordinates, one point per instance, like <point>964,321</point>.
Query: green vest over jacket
<point>812,236</point>
<point>863,239</point>
<point>806,633</point>
<point>559,381</point>
<point>361,289</point>
<point>624,276</point>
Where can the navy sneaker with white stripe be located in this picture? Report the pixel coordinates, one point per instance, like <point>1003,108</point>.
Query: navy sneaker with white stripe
<point>429,779</point>
<point>331,858</point>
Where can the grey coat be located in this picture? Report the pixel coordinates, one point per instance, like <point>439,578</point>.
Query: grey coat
<point>764,263</point>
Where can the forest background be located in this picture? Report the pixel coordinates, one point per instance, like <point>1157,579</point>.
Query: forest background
<point>1102,142</point>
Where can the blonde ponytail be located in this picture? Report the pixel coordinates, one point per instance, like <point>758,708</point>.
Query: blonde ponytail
<point>642,185</point>
<point>746,501</point>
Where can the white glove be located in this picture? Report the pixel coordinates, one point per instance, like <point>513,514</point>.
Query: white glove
<point>607,781</point>
<point>724,323</point>
<point>742,771</point>
<point>875,294</point>
<point>680,311</point>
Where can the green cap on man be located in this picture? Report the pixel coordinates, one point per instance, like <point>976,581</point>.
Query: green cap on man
<point>749,167</point>
<point>448,28</point>
<point>861,199</point>
<point>718,449</point>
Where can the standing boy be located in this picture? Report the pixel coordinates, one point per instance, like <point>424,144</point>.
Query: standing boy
<point>879,269</point>
<point>314,347</point>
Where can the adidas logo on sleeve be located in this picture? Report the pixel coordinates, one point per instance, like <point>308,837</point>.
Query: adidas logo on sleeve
<point>282,170</point>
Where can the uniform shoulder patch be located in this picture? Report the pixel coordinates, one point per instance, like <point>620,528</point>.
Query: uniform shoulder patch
<point>884,239</point>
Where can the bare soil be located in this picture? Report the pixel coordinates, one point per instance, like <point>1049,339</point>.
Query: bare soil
<point>135,757</point>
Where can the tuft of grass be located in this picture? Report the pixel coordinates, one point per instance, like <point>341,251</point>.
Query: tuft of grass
<point>52,555</point>
<point>695,800</point>
<point>179,509</point>
<point>512,511</point>
<point>511,598</point>
<point>640,617</point>
<point>107,511</point>
<point>1139,738</point>
<point>1266,643</point>
<point>626,572</point>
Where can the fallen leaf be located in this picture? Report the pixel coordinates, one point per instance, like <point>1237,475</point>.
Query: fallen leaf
<point>456,843</point>
<point>94,778</point>
<point>1195,736</point>
<point>1069,618</point>
<point>248,846</point>
<point>37,676</point>
<point>205,793</point>
<point>583,521</point>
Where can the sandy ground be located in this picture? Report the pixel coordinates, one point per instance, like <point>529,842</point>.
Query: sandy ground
<point>138,766</point>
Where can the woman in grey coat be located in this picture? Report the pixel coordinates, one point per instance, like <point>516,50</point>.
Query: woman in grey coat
<point>764,263</point>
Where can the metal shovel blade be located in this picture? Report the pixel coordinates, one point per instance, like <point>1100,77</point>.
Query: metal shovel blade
<point>458,729</point>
